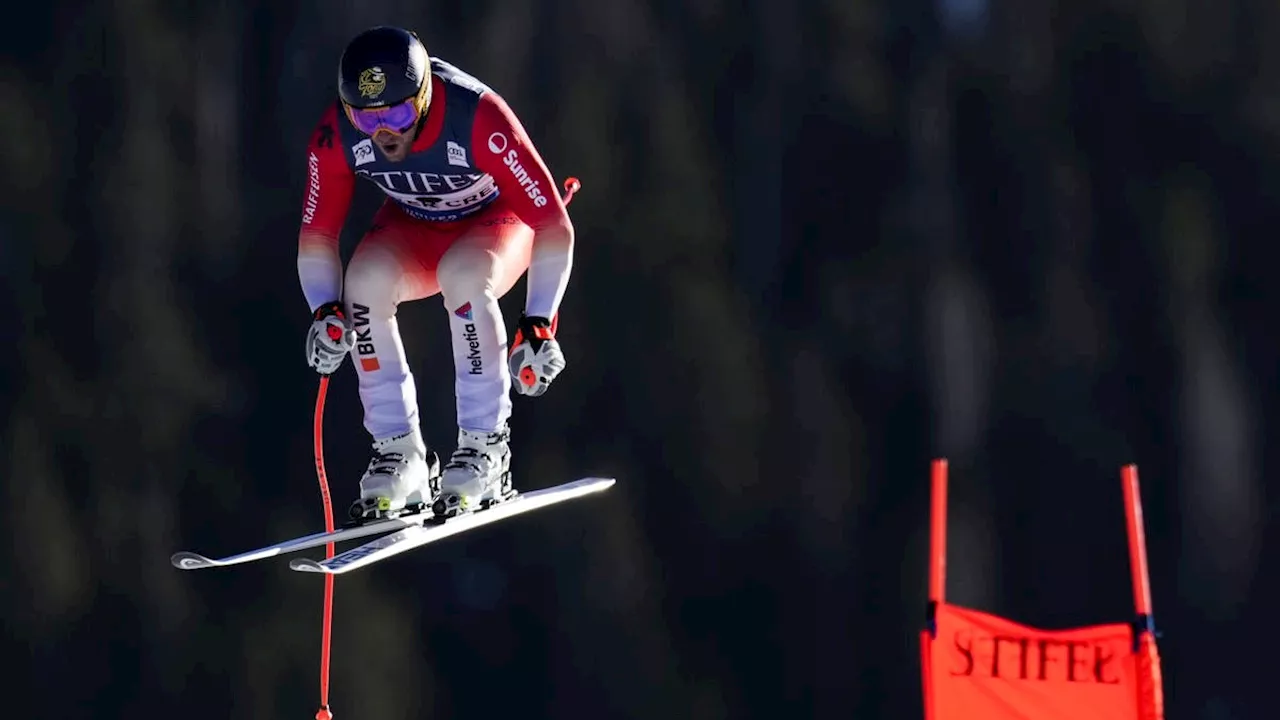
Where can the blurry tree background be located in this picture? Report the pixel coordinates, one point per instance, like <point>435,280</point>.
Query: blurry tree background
<point>819,243</point>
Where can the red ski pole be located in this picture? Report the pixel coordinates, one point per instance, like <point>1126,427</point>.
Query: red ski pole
<point>571,186</point>
<point>325,636</point>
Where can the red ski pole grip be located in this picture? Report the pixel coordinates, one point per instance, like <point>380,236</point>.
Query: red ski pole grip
<point>571,186</point>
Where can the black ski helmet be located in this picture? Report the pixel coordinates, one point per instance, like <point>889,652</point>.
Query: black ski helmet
<point>383,66</point>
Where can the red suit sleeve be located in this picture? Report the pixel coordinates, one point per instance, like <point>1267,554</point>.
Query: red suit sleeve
<point>502,149</point>
<point>330,185</point>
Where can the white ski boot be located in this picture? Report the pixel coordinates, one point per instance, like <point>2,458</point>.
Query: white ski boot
<point>477,475</point>
<point>403,477</point>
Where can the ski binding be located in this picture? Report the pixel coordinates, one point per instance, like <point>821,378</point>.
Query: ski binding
<point>417,535</point>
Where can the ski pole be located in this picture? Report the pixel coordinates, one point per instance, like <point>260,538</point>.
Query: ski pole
<point>325,635</point>
<point>571,186</point>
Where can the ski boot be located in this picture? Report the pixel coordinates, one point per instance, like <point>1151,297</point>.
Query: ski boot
<point>478,474</point>
<point>403,477</point>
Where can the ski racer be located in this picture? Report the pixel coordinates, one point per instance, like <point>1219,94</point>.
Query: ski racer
<point>470,207</point>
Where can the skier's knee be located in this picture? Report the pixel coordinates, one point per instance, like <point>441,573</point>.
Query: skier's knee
<point>372,278</point>
<point>466,274</point>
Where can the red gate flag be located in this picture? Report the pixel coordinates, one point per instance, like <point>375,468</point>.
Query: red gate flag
<point>976,665</point>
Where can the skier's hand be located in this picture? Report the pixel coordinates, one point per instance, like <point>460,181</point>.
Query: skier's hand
<point>535,358</point>
<point>329,339</point>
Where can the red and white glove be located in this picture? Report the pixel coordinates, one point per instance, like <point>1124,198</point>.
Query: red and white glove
<point>329,338</point>
<point>535,358</point>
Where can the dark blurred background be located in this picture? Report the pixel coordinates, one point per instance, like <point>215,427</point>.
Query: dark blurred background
<point>819,244</point>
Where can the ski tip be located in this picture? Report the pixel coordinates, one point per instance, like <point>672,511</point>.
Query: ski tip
<point>306,565</point>
<point>190,561</point>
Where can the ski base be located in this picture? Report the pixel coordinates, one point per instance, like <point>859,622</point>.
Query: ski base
<point>420,534</point>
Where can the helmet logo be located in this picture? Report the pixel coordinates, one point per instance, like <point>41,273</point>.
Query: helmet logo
<point>372,82</point>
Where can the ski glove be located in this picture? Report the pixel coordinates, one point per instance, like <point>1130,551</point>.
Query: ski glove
<point>535,358</point>
<point>329,339</point>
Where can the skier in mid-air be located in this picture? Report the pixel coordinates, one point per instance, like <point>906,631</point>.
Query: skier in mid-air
<point>470,207</point>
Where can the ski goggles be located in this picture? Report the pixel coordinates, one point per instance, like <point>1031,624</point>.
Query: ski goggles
<point>396,118</point>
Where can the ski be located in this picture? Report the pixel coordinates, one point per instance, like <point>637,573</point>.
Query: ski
<point>186,560</point>
<point>418,535</point>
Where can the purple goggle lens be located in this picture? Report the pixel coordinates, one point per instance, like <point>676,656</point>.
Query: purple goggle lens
<point>396,118</point>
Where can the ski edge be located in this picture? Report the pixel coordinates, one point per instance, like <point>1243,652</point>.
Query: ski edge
<point>402,540</point>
